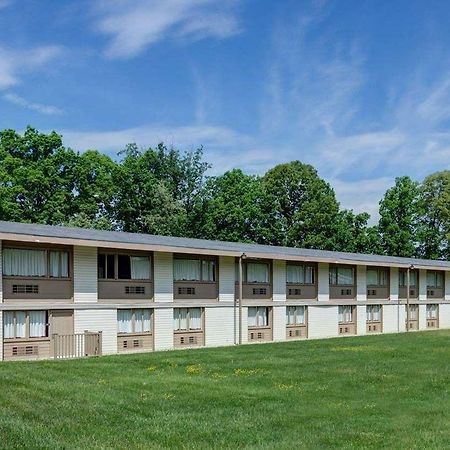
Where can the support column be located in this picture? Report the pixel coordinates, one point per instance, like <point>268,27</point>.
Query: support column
<point>422,284</point>
<point>393,281</point>
<point>85,282</point>
<point>163,271</point>
<point>226,278</point>
<point>361,283</point>
<point>279,280</point>
<point>323,282</point>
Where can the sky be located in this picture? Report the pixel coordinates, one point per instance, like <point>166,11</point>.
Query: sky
<point>359,89</point>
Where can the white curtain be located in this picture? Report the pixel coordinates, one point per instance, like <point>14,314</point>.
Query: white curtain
<point>23,262</point>
<point>59,264</point>
<point>372,277</point>
<point>20,324</point>
<point>180,319</point>
<point>8,324</point>
<point>208,270</point>
<point>195,318</point>
<point>140,267</point>
<point>290,312</point>
<point>345,314</point>
<point>295,274</point>
<point>186,269</point>
<point>413,313</point>
<point>257,273</point>
<point>147,321</point>
<point>373,313</point>
<point>252,316</point>
<point>432,311</point>
<point>124,321</point>
<point>38,323</point>
<point>138,321</point>
<point>300,315</point>
<point>435,279</point>
<point>345,276</point>
<point>309,275</point>
<point>263,317</point>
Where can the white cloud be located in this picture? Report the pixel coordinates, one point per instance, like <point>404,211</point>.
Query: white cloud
<point>38,107</point>
<point>5,3</point>
<point>133,25</point>
<point>15,62</point>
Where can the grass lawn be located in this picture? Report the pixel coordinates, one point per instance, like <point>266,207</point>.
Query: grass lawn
<point>366,392</point>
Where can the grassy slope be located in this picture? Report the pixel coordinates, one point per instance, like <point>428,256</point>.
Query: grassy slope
<point>378,391</point>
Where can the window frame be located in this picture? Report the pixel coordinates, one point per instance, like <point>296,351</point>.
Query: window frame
<point>27,336</point>
<point>428,308</point>
<point>133,321</point>
<point>47,250</point>
<point>335,268</point>
<point>414,308</point>
<point>379,270</point>
<point>188,320</point>
<point>304,267</point>
<point>371,314</point>
<point>296,323</point>
<point>437,274</point>
<point>352,312</point>
<point>269,323</point>
<point>402,276</point>
<point>116,254</point>
<point>201,260</point>
<point>268,264</point>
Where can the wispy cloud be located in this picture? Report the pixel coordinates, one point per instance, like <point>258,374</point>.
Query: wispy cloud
<point>133,25</point>
<point>14,62</point>
<point>38,107</point>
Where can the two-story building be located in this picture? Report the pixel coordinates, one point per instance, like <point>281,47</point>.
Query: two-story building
<point>68,292</point>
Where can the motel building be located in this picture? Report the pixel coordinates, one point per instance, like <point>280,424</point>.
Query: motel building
<point>69,292</point>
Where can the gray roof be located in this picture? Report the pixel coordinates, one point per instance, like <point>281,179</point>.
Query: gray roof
<point>233,248</point>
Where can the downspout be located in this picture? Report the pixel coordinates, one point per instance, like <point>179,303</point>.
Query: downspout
<point>408,282</point>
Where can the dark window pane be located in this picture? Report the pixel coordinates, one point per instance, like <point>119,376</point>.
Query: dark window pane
<point>124,267</point>
<point>101,264</point>
<point>110,267</point>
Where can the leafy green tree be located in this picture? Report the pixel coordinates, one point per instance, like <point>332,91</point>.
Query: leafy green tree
<point>398,218</point>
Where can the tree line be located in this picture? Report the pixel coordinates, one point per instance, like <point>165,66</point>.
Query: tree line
<point>164,191</point>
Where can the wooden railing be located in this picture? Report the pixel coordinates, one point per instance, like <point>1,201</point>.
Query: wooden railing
<point>77,345</point>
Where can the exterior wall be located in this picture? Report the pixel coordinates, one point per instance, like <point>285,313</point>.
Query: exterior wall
<point>163,274</point>
<point>163,328</point>
<point>361,283</point>
<point>447,286</point>
<point>322,321</point>
<point>244,325</point>
<point>1,335</point>
<point>444,315</point>
<point>422,285</point>
<point>390,318</point>
<point>279,281</point>
<point>85,274</point>
<point>226,279</point>
<point>219,326</point>
<point>422,317</point>
<point>361,320</point>
<point>104,320</point>
<point>1,301</point>
<point>323,281</point>
<point>279,323</point>
<point>393,281</point>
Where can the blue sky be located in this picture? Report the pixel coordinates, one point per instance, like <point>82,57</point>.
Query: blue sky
<point>360,89</point>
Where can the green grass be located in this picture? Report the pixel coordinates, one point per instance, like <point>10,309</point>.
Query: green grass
<point>388,391</point>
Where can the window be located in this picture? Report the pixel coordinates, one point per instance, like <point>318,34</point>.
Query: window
<point>345,314</point>
<point>194,270</point>
<point>25,324</point>
<point>185,319</point>
<point>373,313</point>
<point>258,316</point>
<point>35,263</point>
<point>299,274</point>
<point>134,320</point>
<point>295,315</point>
<point>341,276</point>
<point>413,312</point>
<point>435,279</point>
<point>403,278</point>
<point>253,272</point>
<point>377,276</point>
<point>123,267</point>
<point>432,311</point>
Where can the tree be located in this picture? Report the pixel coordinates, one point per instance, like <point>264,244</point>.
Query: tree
<point>434,216</point>
<point>398,218</point>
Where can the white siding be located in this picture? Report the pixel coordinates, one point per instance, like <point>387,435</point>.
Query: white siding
<point>244,325</point>
<point>163,271</point>
<point>219,326</point>
<point>323,281</point>
<point>226,278</point>
<point>85,283</point>
<point>1,279</point>
<point>394,283</point>
<point>104,320</point>
<point>390,324</point>
<point>422,317</point>
<point>361,283</point>
<point>279,280</point>
<point>279,323</point>
<point>322,321</point>
<point>447,286</point>
<point>1,335</point>
<point>444,315</point>
<point>361,320</point>
<point>422,284</point>
<point>163,329</point>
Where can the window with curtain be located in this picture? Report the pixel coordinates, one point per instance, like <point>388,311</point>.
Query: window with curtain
<point>341,276</point>
<point>299,274</point>
<point>25,324</point>
<point>208,270</point>
<point>142,320</point>
<point>413,312</point>
<point>123,267</point>
<point>435,279</point>
<point>124,321</point>
<point>59,264</point>
<point>432,311</point>
<point>345,314</point>
<point>403,278</point>
<point>258,316</point>
<point>186,269</point>
<point>140,267</point>
<point>373,313</point>
<point>24,262</point>
<point>257,273</point>
<point>185,319</point>
<point>377,276</point>
<point>295,315</point>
